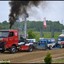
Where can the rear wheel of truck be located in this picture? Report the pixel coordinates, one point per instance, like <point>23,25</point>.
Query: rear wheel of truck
<point>30,49</point>
<point>13,49</point>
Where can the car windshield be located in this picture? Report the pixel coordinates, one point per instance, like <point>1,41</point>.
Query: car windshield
<point>4,33</point>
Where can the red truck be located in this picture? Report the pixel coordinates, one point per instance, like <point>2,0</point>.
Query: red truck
<point>11,41</point>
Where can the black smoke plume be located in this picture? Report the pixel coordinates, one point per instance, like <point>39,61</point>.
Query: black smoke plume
<point>17,6</point>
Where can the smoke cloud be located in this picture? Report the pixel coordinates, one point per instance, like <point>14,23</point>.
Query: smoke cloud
<point>18,7</point>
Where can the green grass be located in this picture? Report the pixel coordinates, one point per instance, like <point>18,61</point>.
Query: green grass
<point>59,61</point>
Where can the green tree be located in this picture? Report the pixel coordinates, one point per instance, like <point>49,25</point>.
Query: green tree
<point>31,34</point>
<point>35,25</point>
<point>5,25</point>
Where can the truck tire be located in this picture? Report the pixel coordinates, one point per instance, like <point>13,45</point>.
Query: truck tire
<point>2,51</point>
<point>61,46</point>
<point>30,49</point>
<point>50,47</point>
<point>13,49</point>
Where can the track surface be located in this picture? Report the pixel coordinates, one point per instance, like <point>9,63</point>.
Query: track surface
<point>28,57</point>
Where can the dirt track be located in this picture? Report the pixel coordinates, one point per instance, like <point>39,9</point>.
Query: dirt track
<point>35,56</point>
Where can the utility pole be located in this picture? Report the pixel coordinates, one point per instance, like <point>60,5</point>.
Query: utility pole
<point>25,25</point>
<point>24,17</point>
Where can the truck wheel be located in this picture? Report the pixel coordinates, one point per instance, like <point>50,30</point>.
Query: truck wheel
<point>2,51</point>
<point>13,49</point>
<point>50,47</point>
<point>61,46</point>
<point>30,49</point>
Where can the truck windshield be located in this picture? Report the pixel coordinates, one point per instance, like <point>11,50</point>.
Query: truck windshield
<point>4,33</point>
<point>61,39</point>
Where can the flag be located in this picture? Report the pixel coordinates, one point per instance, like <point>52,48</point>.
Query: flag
<point>44,23</point>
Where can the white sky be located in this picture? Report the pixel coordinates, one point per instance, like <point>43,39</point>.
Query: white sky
<point>4,10</point>
<point>52,10</point>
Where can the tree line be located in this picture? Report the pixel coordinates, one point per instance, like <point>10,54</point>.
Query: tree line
<point>35,26</point>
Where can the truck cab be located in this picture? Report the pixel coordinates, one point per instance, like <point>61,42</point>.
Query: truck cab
<point>11,41</point>
<point>8,39</point>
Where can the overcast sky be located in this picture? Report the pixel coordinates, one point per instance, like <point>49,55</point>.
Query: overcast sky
<point>52,10</point>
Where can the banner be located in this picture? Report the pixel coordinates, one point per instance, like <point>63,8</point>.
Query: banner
<point>44,23</point>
